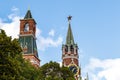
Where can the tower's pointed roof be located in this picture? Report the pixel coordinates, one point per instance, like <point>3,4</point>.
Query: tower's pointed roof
<point>69,38</point>
<point>28,15</point>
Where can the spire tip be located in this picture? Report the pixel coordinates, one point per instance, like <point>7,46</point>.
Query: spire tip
<point>69,18</point>
<point>28,7</point>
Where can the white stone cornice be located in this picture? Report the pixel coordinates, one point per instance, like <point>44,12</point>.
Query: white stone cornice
<point>27,35</point>
<point>71,56</point>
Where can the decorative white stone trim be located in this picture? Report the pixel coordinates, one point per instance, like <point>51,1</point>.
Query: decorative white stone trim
<point>71,56</point>
<point>27,35</point>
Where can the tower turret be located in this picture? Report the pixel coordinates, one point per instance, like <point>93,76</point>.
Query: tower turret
<point>27,39</point>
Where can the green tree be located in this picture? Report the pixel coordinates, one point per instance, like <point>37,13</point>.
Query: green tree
<point>29,72</point>
<point>9,53</point>
<point>53,71</point>
<point>12,64</point>
<point>67,74</point>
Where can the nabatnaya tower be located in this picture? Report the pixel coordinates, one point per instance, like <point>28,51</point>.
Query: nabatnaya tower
<point>27,38</point>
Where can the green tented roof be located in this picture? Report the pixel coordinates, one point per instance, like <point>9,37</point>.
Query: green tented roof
<point>69,38</point>
<point>28,15</point>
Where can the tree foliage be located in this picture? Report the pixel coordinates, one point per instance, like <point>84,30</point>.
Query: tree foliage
<point>12,65</point>
<point>53,71</point>
<point>9,53</point>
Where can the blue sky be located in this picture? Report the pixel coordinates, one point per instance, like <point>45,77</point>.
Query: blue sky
<point>95,25</point>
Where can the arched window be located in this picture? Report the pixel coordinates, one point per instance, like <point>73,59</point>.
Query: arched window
<point>71,48</point>
<point>26,27</point>
<point>66,48</point>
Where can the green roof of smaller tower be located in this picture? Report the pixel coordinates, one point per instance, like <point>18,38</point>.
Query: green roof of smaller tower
<point>69,38</point>
<point>28,15</point>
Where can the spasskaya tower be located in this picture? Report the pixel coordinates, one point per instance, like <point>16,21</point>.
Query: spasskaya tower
<point>70,56</point>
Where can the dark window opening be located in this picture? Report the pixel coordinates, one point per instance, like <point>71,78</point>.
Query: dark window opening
<point>71,48</point>
<point>66,48</point>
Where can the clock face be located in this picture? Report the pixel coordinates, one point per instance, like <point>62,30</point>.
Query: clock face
<point>74,68</point>
<point>26,28</point>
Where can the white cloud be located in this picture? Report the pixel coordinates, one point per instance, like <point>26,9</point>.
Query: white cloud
<point>43,42</point>
<point>108,69</point>
<point>14,8</point>
<point>52,32</point>
<point>12,29</point>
